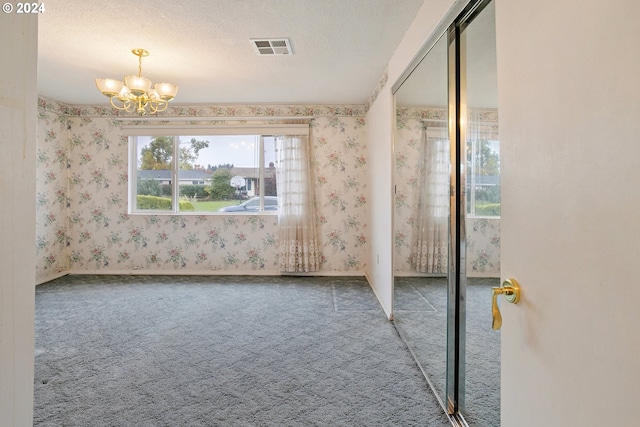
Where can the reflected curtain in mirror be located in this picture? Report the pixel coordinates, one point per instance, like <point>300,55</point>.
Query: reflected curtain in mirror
<point>298,241</point>
<point>430,239</point>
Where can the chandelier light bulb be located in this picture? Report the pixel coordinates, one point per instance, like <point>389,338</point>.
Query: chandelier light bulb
<point>109,86</point>
<point>124,94</point>
<point>138,85</point>
<point>166,91</point>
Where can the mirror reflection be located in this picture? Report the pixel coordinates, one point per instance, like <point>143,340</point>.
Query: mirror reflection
<point>421,217</point>
<point>422,213</point>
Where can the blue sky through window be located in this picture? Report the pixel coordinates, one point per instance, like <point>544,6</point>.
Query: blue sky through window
<point>238,150</point>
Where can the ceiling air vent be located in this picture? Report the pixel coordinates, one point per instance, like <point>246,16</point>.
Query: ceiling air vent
<point>272,46</point>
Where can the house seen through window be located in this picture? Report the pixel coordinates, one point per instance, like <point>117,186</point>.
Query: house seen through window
<point>203,174</point>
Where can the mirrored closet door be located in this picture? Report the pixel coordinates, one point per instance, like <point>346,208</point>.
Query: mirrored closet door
<point>446,217</point>
<point>421,218</point>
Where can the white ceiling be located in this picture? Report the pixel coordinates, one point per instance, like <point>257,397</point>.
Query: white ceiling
<point>340,48</point>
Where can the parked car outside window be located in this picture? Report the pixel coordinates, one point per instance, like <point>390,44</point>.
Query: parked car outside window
<point>253,205</point>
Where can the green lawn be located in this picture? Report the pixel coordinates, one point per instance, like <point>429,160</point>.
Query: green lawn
<point>487,208</point>
<point>213,205</point>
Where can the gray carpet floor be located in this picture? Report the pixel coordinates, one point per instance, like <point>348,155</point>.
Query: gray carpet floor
<point>421,317</point>
<point>222,351</point>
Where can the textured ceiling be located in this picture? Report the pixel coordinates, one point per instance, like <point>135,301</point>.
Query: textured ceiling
<point>340,48</point>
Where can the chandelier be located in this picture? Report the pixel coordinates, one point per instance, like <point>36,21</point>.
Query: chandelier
<point>136,94</point>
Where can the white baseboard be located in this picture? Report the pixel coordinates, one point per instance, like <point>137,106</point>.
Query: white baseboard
<point>385,308</point>
<point>156,272</point>
<point>484,275</point>
<point>52,277</point>
<point>416,274</point>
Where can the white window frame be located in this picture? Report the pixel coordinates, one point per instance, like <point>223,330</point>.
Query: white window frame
<point>133,132</point>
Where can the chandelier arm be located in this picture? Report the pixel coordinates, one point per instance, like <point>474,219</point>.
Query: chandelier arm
<point>125,105</point>
<point>157,105</point>
<point>161,106</point>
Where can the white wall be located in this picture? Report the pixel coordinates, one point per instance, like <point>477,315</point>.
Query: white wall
<point>379,153</point>
<point>18,48</point>
<point>569,102</point>
<point>380,125</point>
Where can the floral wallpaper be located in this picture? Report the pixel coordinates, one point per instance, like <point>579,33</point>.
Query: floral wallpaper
<point>483,234</point>
<point>483,247</point>
<point>52,194</point>
<point>83,225</point>
<point>376,91</point>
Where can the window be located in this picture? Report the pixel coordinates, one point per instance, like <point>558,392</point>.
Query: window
<point>203,173</point>
<point>483,177</point>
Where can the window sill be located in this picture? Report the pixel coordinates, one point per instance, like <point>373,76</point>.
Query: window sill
<point>482,217</point>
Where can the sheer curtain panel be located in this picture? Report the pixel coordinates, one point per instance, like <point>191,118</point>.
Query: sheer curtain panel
<point>298,241</point>
<point>431,231</point>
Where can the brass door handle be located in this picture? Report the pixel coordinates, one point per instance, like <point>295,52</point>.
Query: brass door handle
<point>511,291</point>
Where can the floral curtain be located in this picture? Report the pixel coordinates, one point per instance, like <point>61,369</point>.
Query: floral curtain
<point>431,230</point>
<point>298,241</point>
